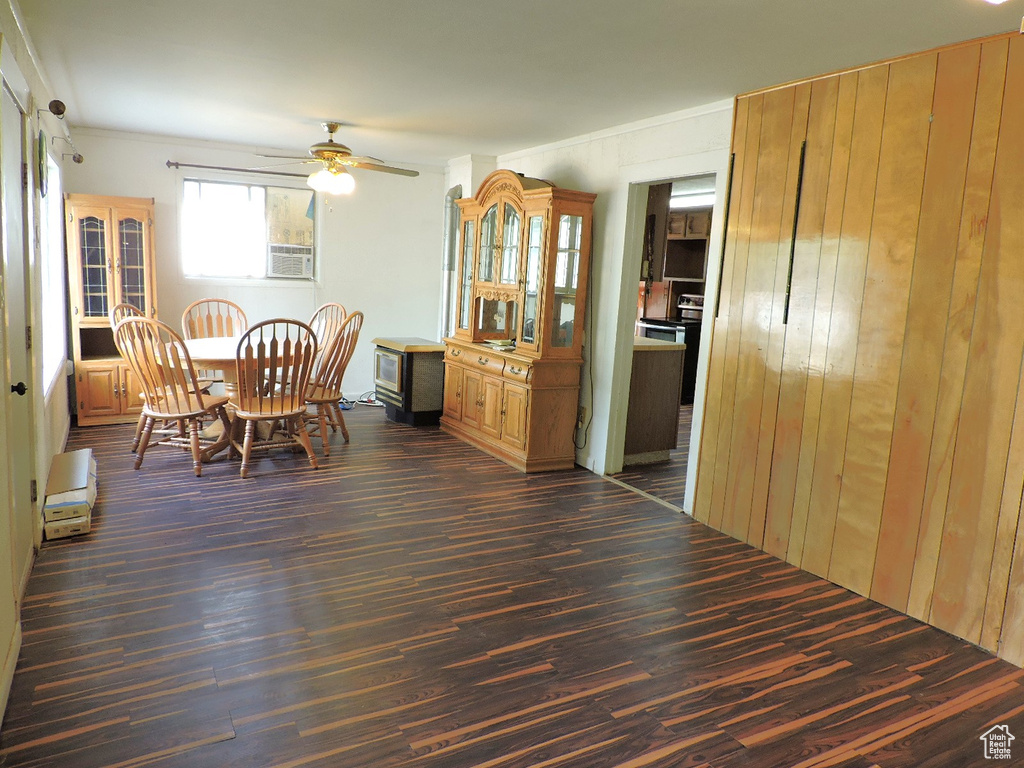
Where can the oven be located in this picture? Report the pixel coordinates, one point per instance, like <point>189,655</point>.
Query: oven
<point>655,329</point>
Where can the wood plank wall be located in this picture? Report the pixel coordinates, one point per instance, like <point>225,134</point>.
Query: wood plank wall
<point>866,364</point>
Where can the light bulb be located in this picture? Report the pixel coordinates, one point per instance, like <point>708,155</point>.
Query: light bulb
<point>332,182</point>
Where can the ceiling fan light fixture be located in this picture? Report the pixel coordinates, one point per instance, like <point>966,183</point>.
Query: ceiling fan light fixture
<point>332,182</point>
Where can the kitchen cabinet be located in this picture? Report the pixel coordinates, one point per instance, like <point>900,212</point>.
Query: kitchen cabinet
<point>107,390</point>
<point>110,261</point>
<point>515,357</point>
<point>686,249</point>
<point>652,414</point>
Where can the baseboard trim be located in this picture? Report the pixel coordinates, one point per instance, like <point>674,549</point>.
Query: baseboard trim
<point>10,664</point>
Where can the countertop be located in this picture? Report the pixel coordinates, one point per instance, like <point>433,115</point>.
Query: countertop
<point>408,344</point>
<point>643,344</point>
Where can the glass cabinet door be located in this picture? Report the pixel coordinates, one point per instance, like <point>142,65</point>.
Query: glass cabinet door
<point>131,263</point>
<point>567,264</point>
<point>510,246</point>
<point>92,239</point>
<point>534,244</point>
<point>488,244</point>
<point>465,293</point>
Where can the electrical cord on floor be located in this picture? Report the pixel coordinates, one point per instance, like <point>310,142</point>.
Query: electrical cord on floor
<point>369,398</point>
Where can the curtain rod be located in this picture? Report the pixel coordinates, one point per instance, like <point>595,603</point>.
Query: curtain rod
<point>173,164</point>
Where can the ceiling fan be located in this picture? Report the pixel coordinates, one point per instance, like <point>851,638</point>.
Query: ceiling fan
<point>334,178</point>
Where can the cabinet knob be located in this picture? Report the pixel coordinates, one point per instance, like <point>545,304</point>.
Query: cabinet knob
<point>456,352</point>
<point>483,360</point>
<point>514,370</point>
<point>20,388</point>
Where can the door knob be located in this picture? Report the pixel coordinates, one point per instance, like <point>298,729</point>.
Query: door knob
<point>20,388</point>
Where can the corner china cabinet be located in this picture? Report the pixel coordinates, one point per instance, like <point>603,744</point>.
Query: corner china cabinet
<point>512,367</point>
<point>110,261</point>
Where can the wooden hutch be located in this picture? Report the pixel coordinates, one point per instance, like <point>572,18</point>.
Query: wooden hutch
<point>110,261</point>
<point>512,367</point>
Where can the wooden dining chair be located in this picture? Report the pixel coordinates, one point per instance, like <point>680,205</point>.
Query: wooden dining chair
<point>158,357</point>
<point>325,322</point>
<point>273,366</point>
<point>119,312</point>
<point>206,318</point>
<point>213,317</point>
<point>325,387</point>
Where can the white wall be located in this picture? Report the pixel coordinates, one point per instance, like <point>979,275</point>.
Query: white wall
<point>380,249</point>
<point>617,165</point>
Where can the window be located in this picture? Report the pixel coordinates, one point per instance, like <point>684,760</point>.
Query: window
<point>54,299</point>
<point>246,230</point>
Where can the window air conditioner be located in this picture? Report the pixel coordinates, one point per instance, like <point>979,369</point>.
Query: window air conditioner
<point>294,261</point>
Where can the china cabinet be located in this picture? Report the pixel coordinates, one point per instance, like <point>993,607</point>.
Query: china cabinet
<point>512,367</point>
<point>110,261</point>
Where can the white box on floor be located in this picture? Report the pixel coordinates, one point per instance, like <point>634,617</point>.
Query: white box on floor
<point>72,526</point>
<point>70,488</point>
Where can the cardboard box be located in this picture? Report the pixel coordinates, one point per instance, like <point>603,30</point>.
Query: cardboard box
<point>73,526</point>
<point>70,489</point>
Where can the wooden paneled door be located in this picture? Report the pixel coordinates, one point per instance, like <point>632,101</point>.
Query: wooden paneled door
<point>865,372</point>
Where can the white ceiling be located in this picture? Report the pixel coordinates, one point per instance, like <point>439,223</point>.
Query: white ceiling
<point>422,81</point>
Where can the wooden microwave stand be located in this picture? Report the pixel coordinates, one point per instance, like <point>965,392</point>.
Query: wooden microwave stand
<point>512,367</point>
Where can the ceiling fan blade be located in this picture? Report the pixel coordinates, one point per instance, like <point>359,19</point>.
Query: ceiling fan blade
<point>285,157</point>
<point>384,168</point>
<point>284,165</point>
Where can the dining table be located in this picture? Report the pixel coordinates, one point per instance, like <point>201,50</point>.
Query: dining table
<point>217,353</point>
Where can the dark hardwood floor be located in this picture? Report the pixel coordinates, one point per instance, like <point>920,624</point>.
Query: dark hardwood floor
<point>417,603</point>
<point>665,480</point>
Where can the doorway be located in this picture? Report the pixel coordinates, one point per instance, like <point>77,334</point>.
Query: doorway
<point>673,287</point>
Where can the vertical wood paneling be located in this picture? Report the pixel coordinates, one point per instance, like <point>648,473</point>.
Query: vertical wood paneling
<point>777,330</point>
<point>846,311</point>
<point>883,319</point>
<point>821,123</point>
<point>716,359</point>
<point>956,83</point>
<point>1007,530</point>
<point>835,203</point>
<point>758,301</point>
<point>1008,527</point>
<point>959,322</point>
<point>744,212</point>
<point>878,438</point>
<point>990,387</point>
<point>1011,630</point>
